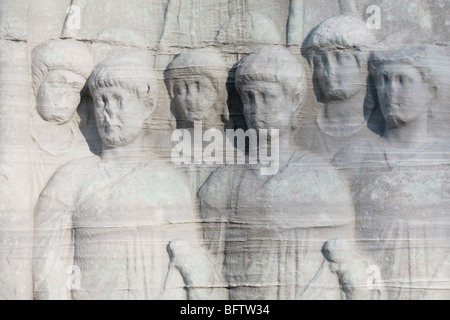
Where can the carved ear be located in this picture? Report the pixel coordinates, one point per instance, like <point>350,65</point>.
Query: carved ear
<point>296,99</point>
<point>152,101</point>
<point>432,104</point>
<point>169,86</point>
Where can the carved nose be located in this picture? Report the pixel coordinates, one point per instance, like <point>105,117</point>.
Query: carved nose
<point>331,74</point>
<point>190,97</point>
<point>109,111</point>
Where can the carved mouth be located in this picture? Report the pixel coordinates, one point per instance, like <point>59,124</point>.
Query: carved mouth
<point>111,127</point>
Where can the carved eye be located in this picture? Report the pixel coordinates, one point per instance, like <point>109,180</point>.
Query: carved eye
<point>98,101</point>
<point>118,98</point>
<point>251,97</point>
<point>401,79</point>
<point>76,85</point>
<point>271,96</point>
<point>56,83</point>
<point>101,101</point>
<point>317,61</point>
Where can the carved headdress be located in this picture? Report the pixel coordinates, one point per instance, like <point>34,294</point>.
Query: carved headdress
<point>68,55</point>
<point>207,62</point>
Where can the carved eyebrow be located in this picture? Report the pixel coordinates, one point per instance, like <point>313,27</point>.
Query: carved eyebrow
<point>76,83</point>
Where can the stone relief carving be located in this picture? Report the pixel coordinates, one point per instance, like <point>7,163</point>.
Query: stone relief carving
<point>339,49</point>
<point>357,206</point>
<point>295,28</point>
<point>266,233</point>
<point>196,81</point>
<point>400,181</point>
<point>247,30</point>
<point>136,210</point>
<point>15,171</point>
<point>60,69</point>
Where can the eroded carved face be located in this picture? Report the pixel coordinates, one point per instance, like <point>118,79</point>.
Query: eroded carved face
<point>339,74</point>
<point>266,106</point>
<point>58,96</point>
<point>402,93</point>
<point>120,115</point>
<point>195,97</point>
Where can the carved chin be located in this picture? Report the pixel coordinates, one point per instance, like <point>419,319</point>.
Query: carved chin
<point>337,95</point>
<point>57,120</point>
<point>54,118</point>
<point>394,122</point>
<point>117,140</point>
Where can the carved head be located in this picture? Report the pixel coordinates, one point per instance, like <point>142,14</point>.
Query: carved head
<point>338,47</point>
<point>407,82</point>
<point>125,93</point>
<point>59,70</point>
<point>273,88</point>
<point>196,81</point>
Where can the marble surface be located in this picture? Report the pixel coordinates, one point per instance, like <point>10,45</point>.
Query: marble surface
<point>226,150</point>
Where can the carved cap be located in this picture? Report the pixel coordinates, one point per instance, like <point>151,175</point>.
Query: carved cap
<point>274,64</point>
<point>340,32</point>
<point>65,55</point>
<point>431,61</point>
<point>128,72</point>
<point>206,61</point>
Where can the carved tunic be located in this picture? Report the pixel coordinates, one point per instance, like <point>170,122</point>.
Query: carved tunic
<point>402,218</point>
<point>48,157</point>
<point>276,226</point>
<point>120,221</point>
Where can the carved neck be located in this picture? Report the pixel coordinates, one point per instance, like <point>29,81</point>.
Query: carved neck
<point>133,151</point>
<point>212,120</point>
<point>286,145</point>
<point>56,139</point>
<point>286,139</point>
<point>343,118</point>
<point>413,135</point>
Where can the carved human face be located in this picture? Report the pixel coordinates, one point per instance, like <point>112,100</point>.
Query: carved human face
<point>339,74</point>
<point>266,105</point>
<point>58,96</point>
<point>402,93</point>
<point>120,115</point>
<point>195,96</point>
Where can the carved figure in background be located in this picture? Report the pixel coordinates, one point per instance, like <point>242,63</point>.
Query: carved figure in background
<point>339,50</point>
<point>269,228</point>
<point>196,80</point>
<point>60,69</point>
<point>401,183</point>
<point>126,220</point>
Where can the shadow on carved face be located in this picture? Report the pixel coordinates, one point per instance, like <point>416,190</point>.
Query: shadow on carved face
<point>339,74</point>
<point>59,96</point>
<point>124,90</point>
<point>403,94</point>
<point>266,105</point>
<point>272,85</point>
<point>195,96</point>
<point>120,115</point>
